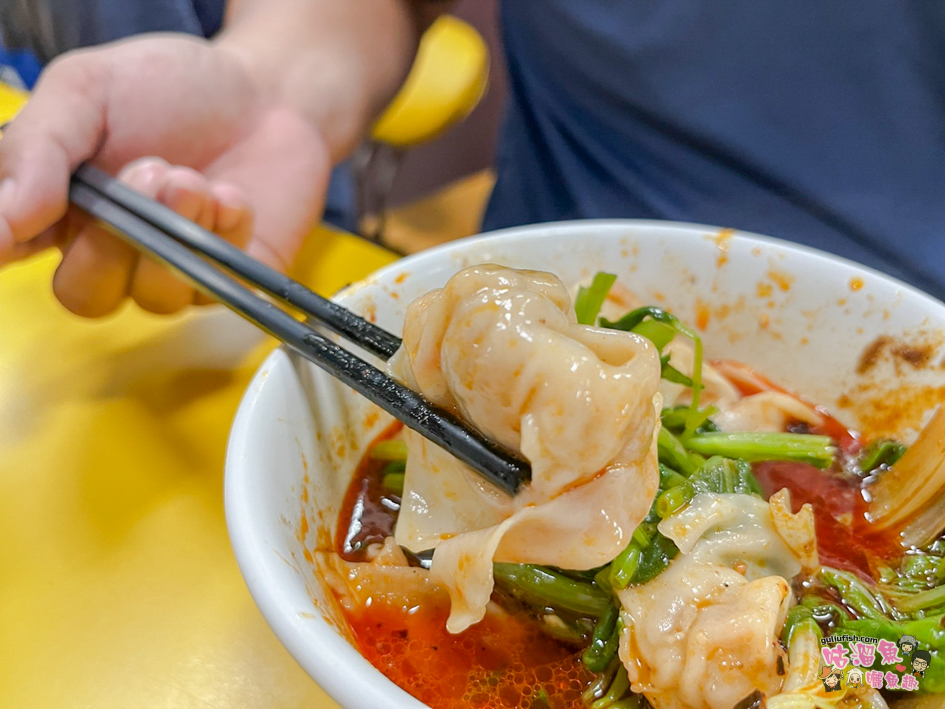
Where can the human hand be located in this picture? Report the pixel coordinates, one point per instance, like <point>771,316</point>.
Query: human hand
<point>235,150</point>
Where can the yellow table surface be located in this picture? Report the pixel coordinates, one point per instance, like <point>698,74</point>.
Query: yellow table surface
<point>118,587</point>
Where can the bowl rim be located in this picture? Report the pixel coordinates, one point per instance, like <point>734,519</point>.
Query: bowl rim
<point>552,228</point>
<point>332,662</point>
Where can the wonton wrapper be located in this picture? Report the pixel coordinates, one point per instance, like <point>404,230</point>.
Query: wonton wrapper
<point>387,579</point>
<point>503,347</point>
<point>703,635</point>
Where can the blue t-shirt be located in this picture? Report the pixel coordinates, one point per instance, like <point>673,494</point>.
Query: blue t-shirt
<point>818,122</point>
<point>50,27</point>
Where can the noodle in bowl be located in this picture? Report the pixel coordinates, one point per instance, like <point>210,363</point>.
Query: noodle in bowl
<point>862,344</point>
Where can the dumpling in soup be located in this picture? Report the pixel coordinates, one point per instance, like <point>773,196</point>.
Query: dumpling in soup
<point>581,403</point>
<point>704,634</point>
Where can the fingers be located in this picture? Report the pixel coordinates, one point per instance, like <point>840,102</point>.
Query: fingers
<point>153,286</point>
<point>234,222</point>
<point>217,207</point>
<point>98,270</point>
<point>94,276</point>
<point>234,218</point>
<point>60,127</point>
<point>284,165</point>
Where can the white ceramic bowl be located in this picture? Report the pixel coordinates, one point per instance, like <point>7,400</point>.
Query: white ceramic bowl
<point>801,317</point>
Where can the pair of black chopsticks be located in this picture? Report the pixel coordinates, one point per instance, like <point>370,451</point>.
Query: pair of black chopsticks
<point>198,255</point>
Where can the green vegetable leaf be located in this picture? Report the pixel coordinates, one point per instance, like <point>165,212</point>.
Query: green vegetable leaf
<point>674,418</point>
<point>603,648</point>
<point>717,475</point>
<point>660,334</point>
<point>539,585</point>
<point>655,558</point>
<point>673,454</point>
<point>589,300</point>
<point>725,475</point>
<point>671,374</point>
<point>800,619</point>
<point>800,447</point>
<point>880,452</point>
<point>388,450</point>
<point>632,319</point>
<point>393,483</point>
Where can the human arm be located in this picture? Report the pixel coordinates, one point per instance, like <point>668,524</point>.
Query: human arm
<point>254,118</point>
